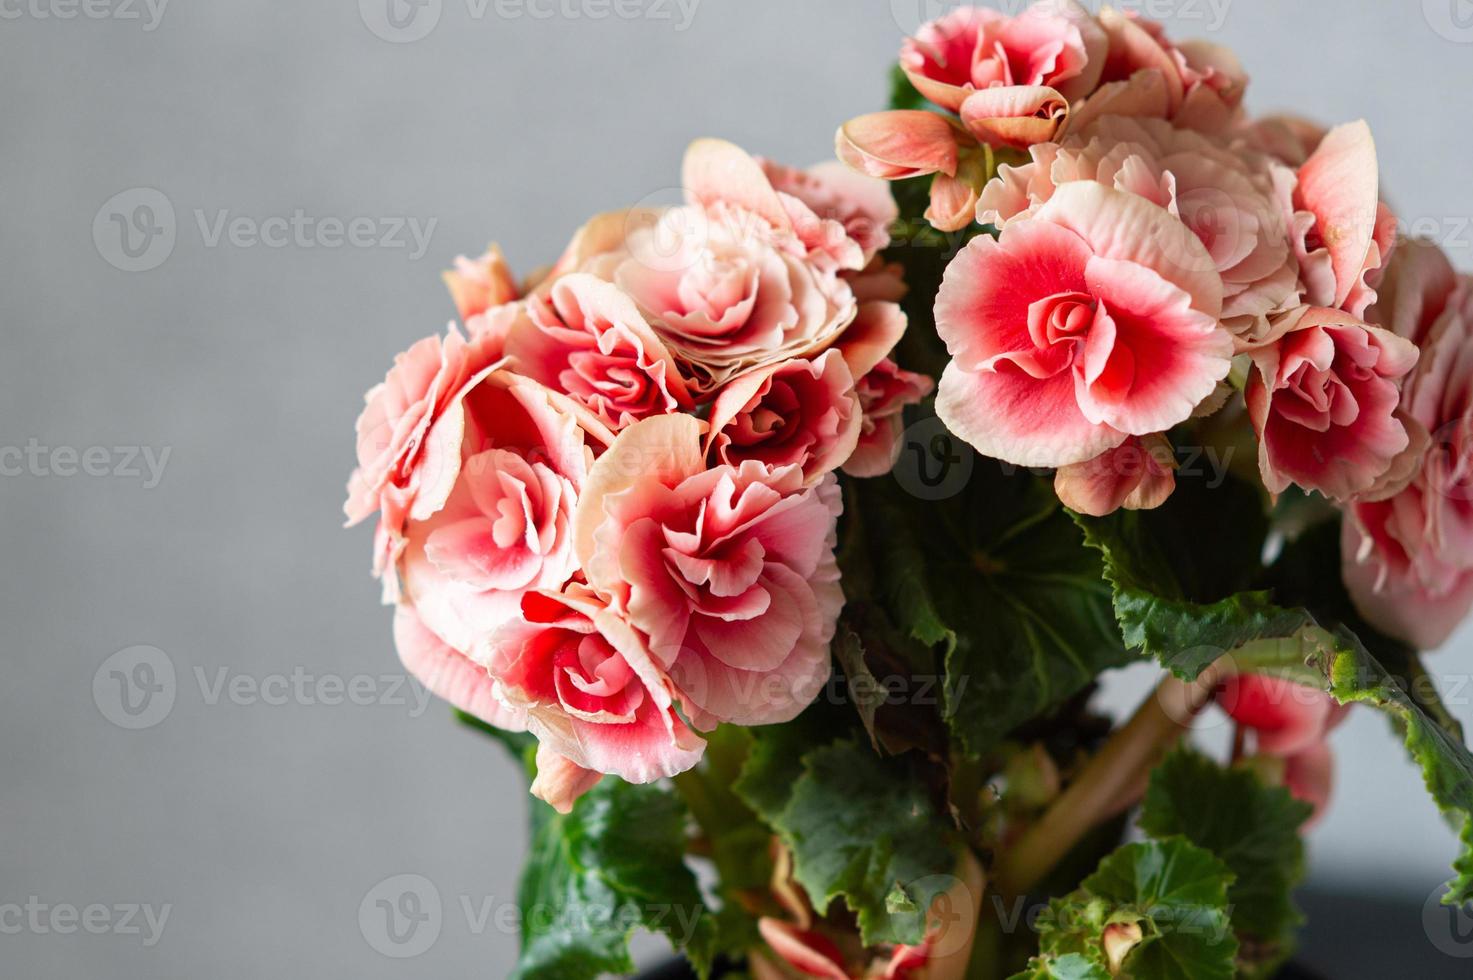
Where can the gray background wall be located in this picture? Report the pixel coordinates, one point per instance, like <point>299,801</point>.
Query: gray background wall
<point>264,826</point>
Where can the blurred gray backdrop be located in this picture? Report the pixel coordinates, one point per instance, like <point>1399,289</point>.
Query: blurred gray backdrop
<point>220,222</point>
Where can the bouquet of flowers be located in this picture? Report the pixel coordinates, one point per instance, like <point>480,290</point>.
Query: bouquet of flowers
<point>784,534</point>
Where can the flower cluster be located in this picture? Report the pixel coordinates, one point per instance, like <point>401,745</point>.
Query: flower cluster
<point>607,500</point>
<point>1160,257</point>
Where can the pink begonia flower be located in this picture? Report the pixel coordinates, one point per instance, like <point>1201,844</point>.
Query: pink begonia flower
<point>798,413</point>
<point>1139,474</point>
<point>1408,560</point>
<point>729,570</point>
<point>590,691</point>
<point>1342,232</point>
<point>884,392</point>
<point>1235,201</point>
<point>1323,401</point>
<point>741,278</point>
<point>731,301</point>
<point>476,285</point>
<point>1285,717</point>
<point>1052,52</point>
<point>587,339</point>
<point>1290,724</point>
<point>1194,84</point>
<point>449,674</point>
<point>802,948</point>
<point>507,460</point>
<point>1094,321</point>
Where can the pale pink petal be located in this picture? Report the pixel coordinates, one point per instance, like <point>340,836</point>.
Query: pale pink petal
<point>1016,115</point>
<point>718,171</point>
<point>809,953</point>
<point>874,333</point>
<point>665,449</point>
<point>1339,184</point>
<point>559,781</point>
<point>1138,475</point>
<point>449,674</point>
<point>898,144</point>
<point>476,285</point>
<point>1126,227</point>
<point>1010,416</point>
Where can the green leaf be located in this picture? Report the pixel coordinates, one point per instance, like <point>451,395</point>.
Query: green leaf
<point>1178,575</point>
<point>1171,604</point>
<point>1253,828</point>
<point>1174,891</point>
<point>1447,767</point>
<point>860,828</point>
<point>592,877</point>
<point>1070,967</point>
<point>996,579</point>
<point>881,671</point>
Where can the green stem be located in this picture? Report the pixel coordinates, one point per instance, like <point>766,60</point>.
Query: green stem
<point>1096,793</point>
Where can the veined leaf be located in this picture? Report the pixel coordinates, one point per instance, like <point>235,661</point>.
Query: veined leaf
<point>1175,609</point>
<point>997,580</point>
<point>860,828</point>
<point>1447,767</point>
<point>1070,967</point>
<point>1254,829</point>
<point>592,877</point>
<point>1172,891</point>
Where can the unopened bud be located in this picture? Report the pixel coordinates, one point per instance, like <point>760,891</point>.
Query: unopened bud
<point>1119,939</point>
